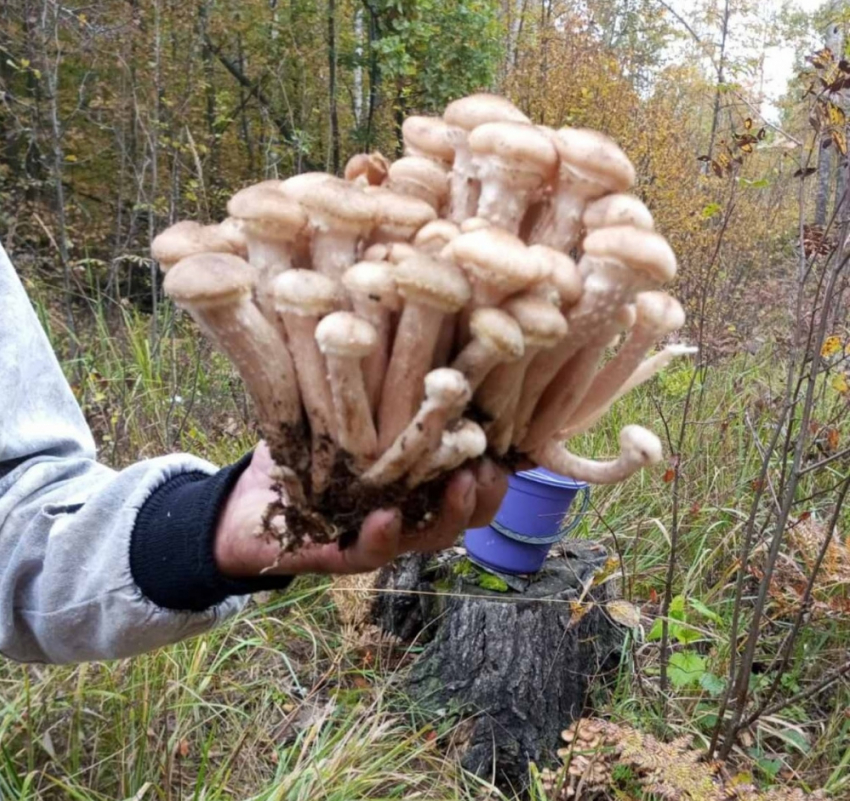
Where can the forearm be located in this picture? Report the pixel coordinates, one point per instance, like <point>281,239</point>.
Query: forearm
<point>94,563</point>
<point>78,567</point>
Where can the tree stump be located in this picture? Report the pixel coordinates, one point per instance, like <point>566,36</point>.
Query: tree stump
<point>515,666</point>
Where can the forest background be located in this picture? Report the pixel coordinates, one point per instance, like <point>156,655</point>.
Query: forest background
<point>120,118</point>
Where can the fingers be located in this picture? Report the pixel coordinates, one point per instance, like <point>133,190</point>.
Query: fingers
<point>458,506</point>
<point>492,484</point>
<point>379,542</point>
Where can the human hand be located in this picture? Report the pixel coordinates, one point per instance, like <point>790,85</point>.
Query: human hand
<point>471,499</point>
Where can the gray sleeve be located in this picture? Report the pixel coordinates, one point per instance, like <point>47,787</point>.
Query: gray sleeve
<point>66,589</point>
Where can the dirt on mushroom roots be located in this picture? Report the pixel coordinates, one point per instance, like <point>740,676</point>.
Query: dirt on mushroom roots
<point>337,514</point>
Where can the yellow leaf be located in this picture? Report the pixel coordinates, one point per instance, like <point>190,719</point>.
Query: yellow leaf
<point>831,346</point>
<point>624,613</point>
<point>25,62</point>
<point>71,157</point>
<point>839,384</point>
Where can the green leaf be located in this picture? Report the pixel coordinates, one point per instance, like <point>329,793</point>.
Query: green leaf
<point>677,608</point>
<point>655,631</point>
<point>794,738</point>
<point>686,669</point>
<point>711,210</point>
<point>770,767</point>
<point>701,608</point>
<point>488,581</point>
<point>712,684</point>
<point>685,634</point>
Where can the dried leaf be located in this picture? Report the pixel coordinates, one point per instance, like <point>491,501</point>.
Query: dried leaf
<point>833,439</point>
<point>804,173</point>
<point>624,613</point>
<point>669,475</point>
<point>840,140</point>
<point>831,346</point>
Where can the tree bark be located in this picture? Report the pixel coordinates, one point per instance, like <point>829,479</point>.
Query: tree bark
<point>514,666</point>
<point>834,40</point>
<point>332,99</point>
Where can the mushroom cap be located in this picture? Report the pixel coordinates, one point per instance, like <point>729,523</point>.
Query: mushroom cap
<point>305,293</point>
<point>498,331</point>
<point>429,137</point>
<point>267,212</point>
<point>297,185</point>
<point>399,216</point>
<point>435,235</point>
<point>564,275</point>
<point>640,446</point>
<point>336,205</point>
<point>377,252</point>
<point>659,312</point>
<point>644,251</point>
<point>397,252</point>
<point>474,224</point>
<point>466,437</point>
<point>186,238</point>
<point>447,387</point>
<point>595,157</point>
<point>375,280</point>
<point>374,167</point>
<point>474,110</point>
<point>494,256</point>
<point>346,335</point>
<point>438,284</point>
<point>233,231</point>
<point>419,173</point>
<point>524,147</point>
<point>207,280</point>
<point>542,325</point>
<point>617,209</point>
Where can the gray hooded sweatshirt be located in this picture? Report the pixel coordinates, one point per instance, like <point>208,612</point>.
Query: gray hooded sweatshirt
<point>95,563</point>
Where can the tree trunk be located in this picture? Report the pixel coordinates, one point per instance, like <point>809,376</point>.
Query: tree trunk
<point>516,665</point>
<point>334,118</point>
<point>834,40</point>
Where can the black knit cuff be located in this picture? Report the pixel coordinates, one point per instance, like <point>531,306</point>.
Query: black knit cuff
<point>171,547</point>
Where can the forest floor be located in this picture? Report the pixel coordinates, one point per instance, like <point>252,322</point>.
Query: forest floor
<point>285,702</point>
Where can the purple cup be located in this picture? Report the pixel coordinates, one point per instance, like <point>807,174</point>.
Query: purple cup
<point>529,521</point>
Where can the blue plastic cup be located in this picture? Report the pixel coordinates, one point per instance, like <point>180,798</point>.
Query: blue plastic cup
<point>530,520</point>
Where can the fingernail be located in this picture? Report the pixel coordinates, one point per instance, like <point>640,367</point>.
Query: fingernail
<point>392,525</point>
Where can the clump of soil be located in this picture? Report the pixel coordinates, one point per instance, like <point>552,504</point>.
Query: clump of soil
<point>337,513</point>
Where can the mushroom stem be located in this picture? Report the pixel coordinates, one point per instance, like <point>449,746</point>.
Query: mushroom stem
<point>302,298</point>
<point>642,373</point>
<point>569,386</point>
<point>639,448</point>
<point>496,338</point>
<point>445,341</point>
<point>464,441</point>
<point>542,326</point>
<point>431,290</point>
<point>375,298</point>
<point>446,394</point>
<point>624,261</point>
<point>216,291</point>
<point>345,340</point>
<point>658,314</point>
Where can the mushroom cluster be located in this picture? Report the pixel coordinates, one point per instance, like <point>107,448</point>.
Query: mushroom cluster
<point>495,290</point>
